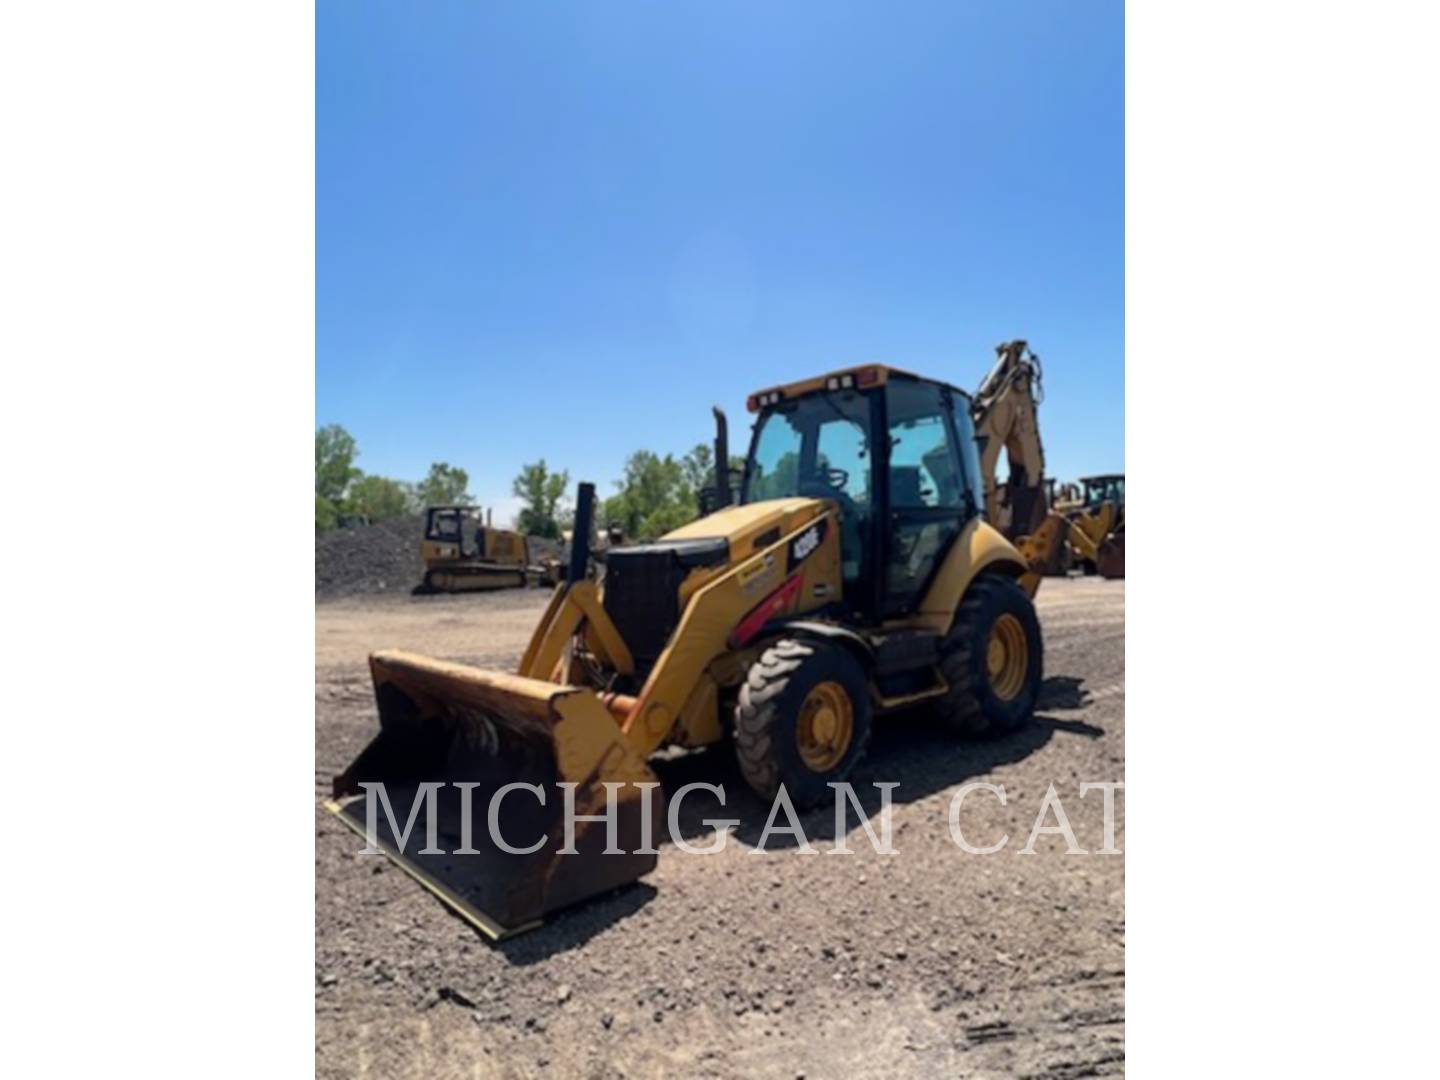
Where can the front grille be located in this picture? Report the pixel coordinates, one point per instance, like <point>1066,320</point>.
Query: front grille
<point>642,591</point>
<point>642,598</point>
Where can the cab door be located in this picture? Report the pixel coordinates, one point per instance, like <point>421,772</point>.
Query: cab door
<point>927,489</point>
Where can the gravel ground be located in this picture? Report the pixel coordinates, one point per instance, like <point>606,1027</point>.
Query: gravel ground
<point>930,961</point>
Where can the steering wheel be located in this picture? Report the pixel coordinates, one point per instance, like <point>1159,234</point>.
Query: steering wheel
<point>836,478</point>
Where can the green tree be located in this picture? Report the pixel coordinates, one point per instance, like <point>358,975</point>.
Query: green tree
<point>541,490</point>
<point>699,468</point>
<point>335,470</point>
<point>655,496</point>
<point>378,497</point>
<point>444,485</point>
<point>325,514</point>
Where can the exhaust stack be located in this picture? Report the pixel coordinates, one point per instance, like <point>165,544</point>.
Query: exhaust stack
<point>723,495</point>
<point>580,537</point>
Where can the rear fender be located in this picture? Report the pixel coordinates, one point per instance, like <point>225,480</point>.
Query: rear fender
<point>979,548</point>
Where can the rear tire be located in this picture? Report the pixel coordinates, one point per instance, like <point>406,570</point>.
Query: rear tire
<point>994,679</point>
<point>802,720</point>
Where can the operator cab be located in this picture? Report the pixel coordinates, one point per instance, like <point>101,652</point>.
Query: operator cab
<point>448,525</point>
<point>1101,489</point>
<point>896,452</point>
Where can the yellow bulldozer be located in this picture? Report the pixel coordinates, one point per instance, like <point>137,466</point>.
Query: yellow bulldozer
<point>463,552</point>
<point>853,574</point>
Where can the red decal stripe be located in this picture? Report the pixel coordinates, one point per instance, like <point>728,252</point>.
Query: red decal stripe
<point>774,604</point>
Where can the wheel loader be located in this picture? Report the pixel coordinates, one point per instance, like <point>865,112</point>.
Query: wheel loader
<point>1097,524</point>
<point>852,575</point>
<point>463,552</point>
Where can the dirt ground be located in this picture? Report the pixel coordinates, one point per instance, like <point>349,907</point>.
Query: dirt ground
<point>929,961</point>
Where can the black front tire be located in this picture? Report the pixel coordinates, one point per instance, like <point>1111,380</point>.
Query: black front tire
<point>972,707</point>
<point>768,712</point>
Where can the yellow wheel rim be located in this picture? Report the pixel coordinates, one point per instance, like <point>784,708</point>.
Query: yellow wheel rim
<point>1007,657</point>
<point>826,726</point>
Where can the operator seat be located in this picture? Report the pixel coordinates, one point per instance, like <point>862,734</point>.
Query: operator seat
<point>906,491</point>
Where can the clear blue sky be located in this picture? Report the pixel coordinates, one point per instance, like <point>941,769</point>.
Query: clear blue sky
<point>565,230</point>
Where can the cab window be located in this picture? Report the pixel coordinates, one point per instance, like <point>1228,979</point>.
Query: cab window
<point>444,527</point>
<point>818,446</point>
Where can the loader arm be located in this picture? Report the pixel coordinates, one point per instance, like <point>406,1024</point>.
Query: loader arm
<point>728,612</point>
<point>770,581</point>
<point>575,605</point>
<point>1088,531</point>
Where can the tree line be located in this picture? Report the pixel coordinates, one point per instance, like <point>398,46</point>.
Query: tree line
<point>654,495</point>
<point>343,491</point>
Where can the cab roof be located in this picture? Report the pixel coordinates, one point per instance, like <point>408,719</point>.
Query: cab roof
<point>860,377</point>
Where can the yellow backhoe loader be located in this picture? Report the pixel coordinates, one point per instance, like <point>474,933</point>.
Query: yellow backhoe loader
<point>1097,524</point>
<point>852,575</point>
<point>1006,412</point>
<point>463,552</point>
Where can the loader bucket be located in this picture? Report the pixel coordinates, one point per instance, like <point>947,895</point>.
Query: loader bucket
<point>449,724</point>
<point>1111,560</point>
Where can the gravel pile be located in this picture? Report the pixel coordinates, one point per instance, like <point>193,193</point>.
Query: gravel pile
<point>371,559</point>
<point>382,558</point>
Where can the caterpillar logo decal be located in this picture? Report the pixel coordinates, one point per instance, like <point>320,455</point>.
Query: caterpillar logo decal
<point>804,544</point>
<point>753,578</point>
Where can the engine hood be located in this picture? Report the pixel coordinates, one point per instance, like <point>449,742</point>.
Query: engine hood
<point>741,526</point>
